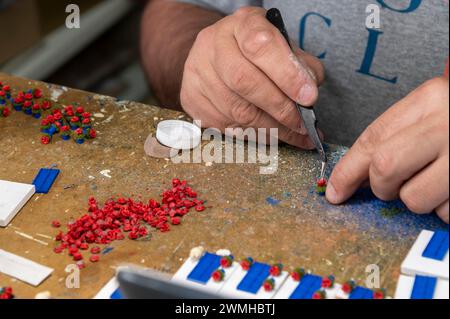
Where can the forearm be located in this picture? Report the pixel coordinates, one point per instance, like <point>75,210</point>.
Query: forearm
<point>168,32</point>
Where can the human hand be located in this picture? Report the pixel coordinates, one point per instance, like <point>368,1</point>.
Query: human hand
<point>242,73</point>
<point>404,154</point>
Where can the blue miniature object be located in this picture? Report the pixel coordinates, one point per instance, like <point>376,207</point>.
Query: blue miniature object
<point>437,248</point>
<point>424,287</point>
<point>361,293</point>
<point>45,179</point>
<point>255,278</point>
<point>116,295</point>
<point>307,287</point>
<point>205,268</point>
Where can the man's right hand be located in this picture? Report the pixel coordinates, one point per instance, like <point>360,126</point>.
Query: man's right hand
<point>242,73</point>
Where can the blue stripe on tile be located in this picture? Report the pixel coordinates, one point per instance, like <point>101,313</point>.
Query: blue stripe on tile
<point>307,287</point>
<point>437,248</point>
<point>254,278</point>
<point>45,179</point>
<point>204,269</point>
<point>117,294</point>
<point>361,293</point>
<point>424,287</point>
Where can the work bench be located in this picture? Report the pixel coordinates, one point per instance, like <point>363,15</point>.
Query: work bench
<point>272,218</point>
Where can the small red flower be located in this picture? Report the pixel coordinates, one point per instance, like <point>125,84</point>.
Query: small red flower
<point>6,112</point>
<point>276,270</point>
<point>80,110</point>
<point>247,263</point>
<point>79,131</point>
<point>379,294</point>
<point>348,287</point>
<point>175,220</point>
<point>77,256</point>
<point>269,285</point>
<point>37,93</point>
<point>322,182</point>
<point>298,274</point>
<point>46,105</point>
<point>56,224</point>
<point>199,208</point>
<point>319,295</point>
<point>328,282</point>
<point>226,262</point>
<point>95,250</point>
<point>65,128</point>
<point>45,140</point>
<point>94,258</point>
<point>218,275</point>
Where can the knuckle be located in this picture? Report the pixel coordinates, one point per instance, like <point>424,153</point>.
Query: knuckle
<point>369,139</point>
<point>383,164</point>
<point>244,113</point>
<point>256,44</point>
<point>286,114</point>
<point>242,82</point>
<point>412,201</point>
<point>204,36</point>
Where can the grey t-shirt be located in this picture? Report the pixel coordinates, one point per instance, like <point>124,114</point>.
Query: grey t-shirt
<point>369,68</point>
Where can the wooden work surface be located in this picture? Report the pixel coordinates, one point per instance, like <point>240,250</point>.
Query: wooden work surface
<point>273,218</point>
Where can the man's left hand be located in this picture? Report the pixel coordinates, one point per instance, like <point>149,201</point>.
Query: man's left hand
<point>403,154</point>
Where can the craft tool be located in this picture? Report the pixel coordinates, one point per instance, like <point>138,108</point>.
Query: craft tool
<point>307,113</point>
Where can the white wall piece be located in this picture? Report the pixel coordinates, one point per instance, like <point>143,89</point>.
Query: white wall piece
<point>107,291</point>
<point>406,284</point>
<point>13,196</point>
<point>229,289</point>
<point>416,264</point>
<point>23,269</point>
<point>212,286</point>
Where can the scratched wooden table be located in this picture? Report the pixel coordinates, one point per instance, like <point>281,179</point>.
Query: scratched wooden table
<point>273,218</point>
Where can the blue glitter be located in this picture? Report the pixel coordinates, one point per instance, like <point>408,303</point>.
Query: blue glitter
<point>272,201</point>
<point>367,212</point>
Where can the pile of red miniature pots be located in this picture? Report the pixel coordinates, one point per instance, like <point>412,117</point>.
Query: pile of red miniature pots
<point>122,218</point>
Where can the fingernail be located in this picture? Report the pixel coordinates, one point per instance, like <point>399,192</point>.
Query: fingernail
<point>307,95</point>
<point>331,194</point>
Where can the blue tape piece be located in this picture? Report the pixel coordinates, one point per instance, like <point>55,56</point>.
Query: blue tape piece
<point>437,248</point>
<point>117,294</point>
<point>204,269</point>
<point>307,287</point>
<point>360,293</point>
<point>254,278</point>
<point>45,179</point>
<point>424,287</point>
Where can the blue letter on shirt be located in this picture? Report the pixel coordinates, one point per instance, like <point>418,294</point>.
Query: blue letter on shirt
<point>370,54</point>
<point>303,28</point>
<point>414,4</point>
